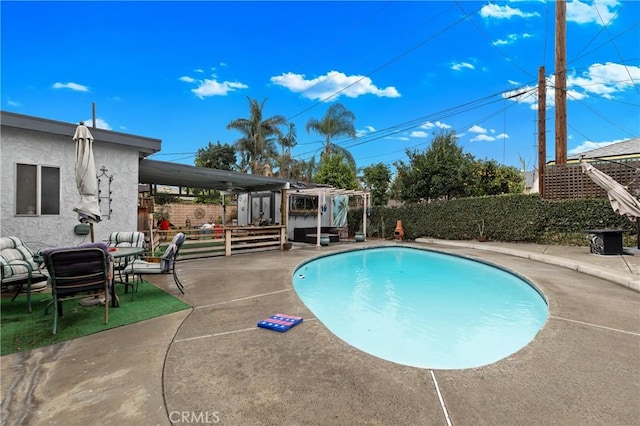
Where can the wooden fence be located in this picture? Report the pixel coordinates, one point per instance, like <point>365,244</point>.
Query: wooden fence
<point>568,181</point>
<point>225,241</point>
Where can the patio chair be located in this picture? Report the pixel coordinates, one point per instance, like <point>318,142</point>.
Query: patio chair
<point>17,269</point>
<point>126,239</point>
<point>76,271</point>
<point>167,262</point>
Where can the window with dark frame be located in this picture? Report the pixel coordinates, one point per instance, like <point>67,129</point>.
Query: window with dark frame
<point>33,199</point>
<point>303,204</point>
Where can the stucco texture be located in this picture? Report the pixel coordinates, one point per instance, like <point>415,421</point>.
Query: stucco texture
<point>39,148</point>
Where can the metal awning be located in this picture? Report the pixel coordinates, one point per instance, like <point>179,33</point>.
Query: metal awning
<point>175,174</point>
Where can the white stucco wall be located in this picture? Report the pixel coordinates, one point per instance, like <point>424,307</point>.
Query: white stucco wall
<point>31,147</point>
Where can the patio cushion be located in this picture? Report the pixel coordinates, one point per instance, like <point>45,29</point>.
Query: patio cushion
<point>167,262</point>
<point>126,239</point>
<point>18,271</point>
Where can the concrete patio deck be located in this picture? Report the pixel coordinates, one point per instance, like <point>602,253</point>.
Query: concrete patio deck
<point>212,365</point>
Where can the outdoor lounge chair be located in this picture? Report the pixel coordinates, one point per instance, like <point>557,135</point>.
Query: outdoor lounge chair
<point>18,268</point>
<point>76,271</point>
<point>167,262</point>
<point>126,239</point>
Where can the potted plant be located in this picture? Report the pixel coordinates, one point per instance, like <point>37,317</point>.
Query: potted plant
<point>162,216</point>
<point>359,236</point>
<point>156,254</point>
<point>481,235</point>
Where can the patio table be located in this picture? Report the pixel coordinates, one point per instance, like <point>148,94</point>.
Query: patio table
<point>117,253</point>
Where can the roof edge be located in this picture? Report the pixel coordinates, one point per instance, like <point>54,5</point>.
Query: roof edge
<point>145,145</point>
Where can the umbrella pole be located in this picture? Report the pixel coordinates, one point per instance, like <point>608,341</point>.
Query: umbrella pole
<point>91,230</point>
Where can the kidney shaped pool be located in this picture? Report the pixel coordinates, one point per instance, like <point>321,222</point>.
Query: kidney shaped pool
<point>422,308</point>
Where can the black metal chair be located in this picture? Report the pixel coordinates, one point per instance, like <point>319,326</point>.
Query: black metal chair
<point>76,271</point>
<point>167,262</point>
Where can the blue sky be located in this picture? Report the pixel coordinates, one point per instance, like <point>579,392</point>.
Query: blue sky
<point>181,71</point>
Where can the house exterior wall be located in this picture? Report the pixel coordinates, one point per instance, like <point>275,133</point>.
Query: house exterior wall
<point>54,150</point>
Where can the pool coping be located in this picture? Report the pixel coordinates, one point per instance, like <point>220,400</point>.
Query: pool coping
<point>627,280</point>
<point>582,368</point>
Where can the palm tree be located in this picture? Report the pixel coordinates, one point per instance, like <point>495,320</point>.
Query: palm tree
<point>287,142</point>
<point>337,121</point>
<point>304,170</point>
<point>257,145</point>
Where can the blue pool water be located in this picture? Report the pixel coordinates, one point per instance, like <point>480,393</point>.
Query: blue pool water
<point>421,308</point>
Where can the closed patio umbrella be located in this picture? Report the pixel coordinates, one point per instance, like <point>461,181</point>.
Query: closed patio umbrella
<point>621,200</point>
<point>88,207</point>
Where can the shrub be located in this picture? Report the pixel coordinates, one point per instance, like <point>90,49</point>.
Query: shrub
<point>513,217</point>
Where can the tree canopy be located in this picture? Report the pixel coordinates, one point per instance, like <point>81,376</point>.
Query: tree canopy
<point>288,141</point>
<point>257,145</point>
<point>218,156</point>
<point>337,121</point>
<point>334,170</point>
<point>444,171</point>
<point>377,178</point>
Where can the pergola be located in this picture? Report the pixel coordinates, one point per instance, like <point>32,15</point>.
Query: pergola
<point>323,192</point>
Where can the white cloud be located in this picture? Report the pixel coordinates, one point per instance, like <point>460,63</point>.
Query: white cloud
<point>588,146</point>
<point>606,79</point>
<point>214,88</point>
<point>457,66</point>
<point>13,103</point>
<point>504,12</point>
<point>100,123</point>
<point>199,70</point>
<point>477,129</point>
<point>327,86</point>
<point>513,82</point>
<point>365,131</point>
<point>511,38</point>
<point>418,134</point>
<point>502,136</point>
<point>482,138</point>
<point>73,86</point>
<point>600,12</point>
<point>438,124</point>
<point>187,79</point>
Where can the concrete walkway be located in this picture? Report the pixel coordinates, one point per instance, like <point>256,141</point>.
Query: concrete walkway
<point>212,365</point>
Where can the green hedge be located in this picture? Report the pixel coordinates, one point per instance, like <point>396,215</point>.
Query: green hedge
<point>514,217</point>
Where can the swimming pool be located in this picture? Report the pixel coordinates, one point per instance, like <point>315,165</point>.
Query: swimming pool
<point>421,308</point>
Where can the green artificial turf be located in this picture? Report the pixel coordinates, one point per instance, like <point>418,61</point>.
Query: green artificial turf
<point>21,331</point>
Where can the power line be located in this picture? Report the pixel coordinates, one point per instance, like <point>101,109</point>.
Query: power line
<point>616,48</point>
<point>486,36</point>
<point>603,44</point>
<point>384,65</point>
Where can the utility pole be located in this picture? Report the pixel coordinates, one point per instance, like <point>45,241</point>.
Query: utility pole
<point>561,82</point>
<point>542,128</point>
